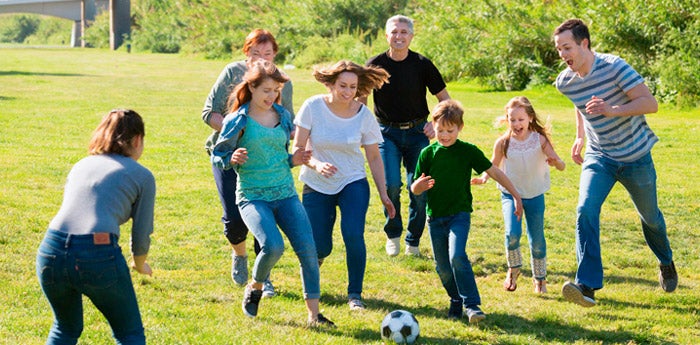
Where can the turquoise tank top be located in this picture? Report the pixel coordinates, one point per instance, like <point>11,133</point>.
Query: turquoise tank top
<point>266,175</point>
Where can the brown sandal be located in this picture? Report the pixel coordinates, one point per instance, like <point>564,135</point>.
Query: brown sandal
<point>540,286</point>
<point>510,284</point>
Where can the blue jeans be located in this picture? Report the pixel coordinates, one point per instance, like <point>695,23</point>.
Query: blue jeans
<point>353,201</point>
<point>398,145</point>
<point>235,229</point>
<point>598,176</point>
<point>69,266</point>
<point>448,236</point>
<point>262,218</point>
<point>534,218</point>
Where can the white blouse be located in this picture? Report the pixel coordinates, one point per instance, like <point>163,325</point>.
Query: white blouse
<point>526,167</point>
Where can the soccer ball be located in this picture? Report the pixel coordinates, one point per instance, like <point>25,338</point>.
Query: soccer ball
<point>401,327</point>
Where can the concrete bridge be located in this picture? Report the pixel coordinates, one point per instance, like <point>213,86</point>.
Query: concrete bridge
<point>82,13</point>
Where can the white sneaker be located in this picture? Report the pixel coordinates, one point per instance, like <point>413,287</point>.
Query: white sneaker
<point>412,251</point>
<point>268,289</point>
<point>239,269</point>
<point>392,246</point>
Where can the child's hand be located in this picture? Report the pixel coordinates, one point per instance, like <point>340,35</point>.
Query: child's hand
<point>300,157</point>
<point>556,162</point>
<point>422,184</point>
<point>326,169</point>
<point>239,156</point>
<point>478,180</point>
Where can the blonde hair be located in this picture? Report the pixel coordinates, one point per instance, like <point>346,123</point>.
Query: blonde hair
<point>115,133</point>
<point>535,125</point>
<point>368,77</point>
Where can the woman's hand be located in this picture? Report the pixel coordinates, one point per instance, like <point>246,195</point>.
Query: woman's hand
<point>389,206</point>
<point>140,265</point>
<point>300,157</point>
<point>239,156</point>
<point>326,169</point>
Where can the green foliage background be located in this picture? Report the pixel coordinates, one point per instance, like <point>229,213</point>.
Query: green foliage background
<point>502,44</point>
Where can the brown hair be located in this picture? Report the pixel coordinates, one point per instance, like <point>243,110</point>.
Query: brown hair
<point>368,78</point>
<point>259,36</point>
<point>258,72</point>
<point>578,29</point>
<point>115,133</point>
<point>535,125</point>
<point>449,111</point>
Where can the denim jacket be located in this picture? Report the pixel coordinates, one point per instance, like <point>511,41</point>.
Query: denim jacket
<point>234,124</point>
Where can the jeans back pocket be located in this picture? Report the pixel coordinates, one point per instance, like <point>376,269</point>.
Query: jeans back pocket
<point>98,272</point>
<point>46,268</point>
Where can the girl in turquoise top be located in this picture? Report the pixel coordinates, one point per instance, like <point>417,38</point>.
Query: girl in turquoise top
<point>254,141</point>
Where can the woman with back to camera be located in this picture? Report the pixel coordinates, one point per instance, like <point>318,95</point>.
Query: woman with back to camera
<point>80,254</point>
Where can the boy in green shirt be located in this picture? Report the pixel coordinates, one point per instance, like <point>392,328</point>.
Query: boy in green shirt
<point>445,169</point>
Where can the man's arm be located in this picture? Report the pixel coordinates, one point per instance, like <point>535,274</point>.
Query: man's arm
<point>442,95</point>
<point>641,102</point>
<point>580,139</point>
<point>428,128</point>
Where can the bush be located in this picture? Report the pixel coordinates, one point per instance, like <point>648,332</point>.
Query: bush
<point>97,33</point>
<point>346,46</point>
<point>53,31</point>
<point>157,26</point>
<point>17,27</point>
<point>502,44</point>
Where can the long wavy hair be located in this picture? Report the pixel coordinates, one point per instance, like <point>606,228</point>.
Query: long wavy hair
<point>368,77</point>
<point>536,124</point>
<point>258,72</point>
<point>115,133</point>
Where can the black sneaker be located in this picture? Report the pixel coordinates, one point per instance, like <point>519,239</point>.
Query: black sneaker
<point>668,277</point>
<point>251,300</point>
<point>321,321</point>
<point>579,294</point>
<point>475,314</point>
<point>456,310</point>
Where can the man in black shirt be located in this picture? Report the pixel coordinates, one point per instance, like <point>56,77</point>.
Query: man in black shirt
<point>402,111</point>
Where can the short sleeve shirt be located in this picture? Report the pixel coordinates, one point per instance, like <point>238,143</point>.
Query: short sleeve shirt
<point>451,168</point>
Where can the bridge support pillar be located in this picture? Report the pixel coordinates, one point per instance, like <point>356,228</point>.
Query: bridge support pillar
<point>76,36</point>
<point>88,10</point>
<point>120,22</point>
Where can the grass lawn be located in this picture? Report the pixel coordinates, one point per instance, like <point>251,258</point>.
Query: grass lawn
<point>52,99</point>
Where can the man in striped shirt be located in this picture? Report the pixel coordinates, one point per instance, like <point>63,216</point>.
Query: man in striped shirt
<point>610,100</point>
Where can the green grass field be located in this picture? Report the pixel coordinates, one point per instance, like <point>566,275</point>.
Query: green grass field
<point>52,99</point>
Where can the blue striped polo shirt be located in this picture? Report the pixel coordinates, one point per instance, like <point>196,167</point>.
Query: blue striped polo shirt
<point>621,138</point>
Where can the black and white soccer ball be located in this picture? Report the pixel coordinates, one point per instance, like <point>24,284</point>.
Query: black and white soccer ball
<point>401,327</point>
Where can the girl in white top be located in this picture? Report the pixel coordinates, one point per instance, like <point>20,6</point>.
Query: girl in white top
<point>524,153</point>
<point>335,126</point>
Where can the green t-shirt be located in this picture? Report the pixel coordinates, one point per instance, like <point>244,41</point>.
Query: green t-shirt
<point>451,168</point>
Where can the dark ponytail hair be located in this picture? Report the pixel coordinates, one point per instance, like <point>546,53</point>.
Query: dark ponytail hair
<point>116,132</point>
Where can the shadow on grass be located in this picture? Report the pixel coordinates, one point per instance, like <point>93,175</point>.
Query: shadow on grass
<point>25,73</point>
<point>546,329</point>
<point>5,98</point>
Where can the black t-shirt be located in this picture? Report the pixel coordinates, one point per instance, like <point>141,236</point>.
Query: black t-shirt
<point>403,98</point>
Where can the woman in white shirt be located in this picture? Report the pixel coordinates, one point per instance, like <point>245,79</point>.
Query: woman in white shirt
<point>335,126</point>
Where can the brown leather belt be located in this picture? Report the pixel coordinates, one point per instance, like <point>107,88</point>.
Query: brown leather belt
<point>402,125</point>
